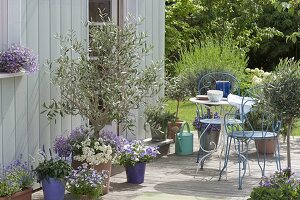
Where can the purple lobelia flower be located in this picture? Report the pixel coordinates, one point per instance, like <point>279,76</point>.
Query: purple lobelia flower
<point>17,58</point>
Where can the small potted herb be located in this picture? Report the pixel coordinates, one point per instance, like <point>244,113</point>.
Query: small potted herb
<point>176,89</point>
<point>86,183</point>
<point>51,173</point>
<point>134,157</point>
<point>16,181</point>
<point>158,117</point>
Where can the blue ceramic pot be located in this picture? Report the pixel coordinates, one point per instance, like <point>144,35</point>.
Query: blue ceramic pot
<point>135,174</point>
<point>54,189</point>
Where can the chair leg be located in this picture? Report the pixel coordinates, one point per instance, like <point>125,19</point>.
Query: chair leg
<point>227,150</point>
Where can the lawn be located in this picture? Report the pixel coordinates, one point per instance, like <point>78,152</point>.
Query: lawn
<point>187,112</point>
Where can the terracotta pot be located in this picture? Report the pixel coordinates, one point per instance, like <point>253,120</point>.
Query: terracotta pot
<point>173,128</point>
<point>99,168</point>
<point>22,195</point>
<point>268,145</point>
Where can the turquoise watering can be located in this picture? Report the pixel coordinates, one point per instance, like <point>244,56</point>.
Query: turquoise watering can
<point>184,141</point>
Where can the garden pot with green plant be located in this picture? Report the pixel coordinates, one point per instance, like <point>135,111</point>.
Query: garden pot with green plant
<point>16,181</point>
<point>51,174</point>
<point>158,117</point>
<point>176,89</point>
<point>134,157</point>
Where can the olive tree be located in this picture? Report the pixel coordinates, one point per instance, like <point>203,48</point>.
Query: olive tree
<point>283,95</point>
<point>105,82</point>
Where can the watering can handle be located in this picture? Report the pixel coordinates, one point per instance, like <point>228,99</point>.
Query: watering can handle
<point>182,128</point>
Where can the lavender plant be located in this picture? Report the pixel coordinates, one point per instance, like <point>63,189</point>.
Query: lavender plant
<point>17,58</point>
<point>51,168</point>
<point>62,147</point>
<point>137,152</point>
<point>86,181</point>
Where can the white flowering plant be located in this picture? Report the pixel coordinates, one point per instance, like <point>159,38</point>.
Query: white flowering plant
<point>89,148</point>
<point>93,151</point>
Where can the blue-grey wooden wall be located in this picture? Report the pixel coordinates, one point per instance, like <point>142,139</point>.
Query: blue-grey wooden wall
<point>33,23</point>
<point>153,14</point>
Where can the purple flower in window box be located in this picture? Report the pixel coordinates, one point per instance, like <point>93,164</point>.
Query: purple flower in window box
<point>18,58</point>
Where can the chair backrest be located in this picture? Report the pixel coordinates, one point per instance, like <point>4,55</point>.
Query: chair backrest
<point>208,82</point>
<point>256,114</point>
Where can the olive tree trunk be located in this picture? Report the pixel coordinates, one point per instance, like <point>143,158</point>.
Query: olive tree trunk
<point>288,144</point>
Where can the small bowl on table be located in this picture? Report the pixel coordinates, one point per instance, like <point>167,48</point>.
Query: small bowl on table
<point>214,95</point>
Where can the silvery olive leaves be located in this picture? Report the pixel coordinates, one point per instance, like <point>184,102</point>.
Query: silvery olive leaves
<point>105,82</point>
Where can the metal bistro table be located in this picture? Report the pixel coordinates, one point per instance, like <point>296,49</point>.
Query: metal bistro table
<point>222,137</point>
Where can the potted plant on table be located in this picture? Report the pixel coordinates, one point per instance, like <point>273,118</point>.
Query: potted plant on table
<point>16,181</point>
<point>176,89</point>
<point>158,117</point>
<point>134,157</point>
<point>51,173</point>
<point>86,183</point>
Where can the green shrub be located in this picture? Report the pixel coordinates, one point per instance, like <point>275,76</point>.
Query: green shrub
<point>210,56</point>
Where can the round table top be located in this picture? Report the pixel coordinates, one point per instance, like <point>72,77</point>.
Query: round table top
<point>207,102</point>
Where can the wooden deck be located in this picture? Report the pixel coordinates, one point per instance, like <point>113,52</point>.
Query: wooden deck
<point>173,177</point>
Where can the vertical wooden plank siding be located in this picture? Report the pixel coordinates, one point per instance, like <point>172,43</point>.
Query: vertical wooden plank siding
<point>153,14</point>
<point>3,45</point>
<point>21,96</point>
<point>55,52</point>
<point>33,79</point>
<point>33,23</point>
<point>65,27</point>
<point>44,72</point>
<point>79,16</point>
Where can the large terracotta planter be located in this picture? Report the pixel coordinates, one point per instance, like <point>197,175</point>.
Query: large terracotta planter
<point>173,128</point>
<point>267,146</point>
<point>22,195</point>
<point>99,168</point>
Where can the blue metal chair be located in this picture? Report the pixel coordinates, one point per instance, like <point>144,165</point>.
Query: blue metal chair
<point>203,112</point>
<point>267,127</point>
